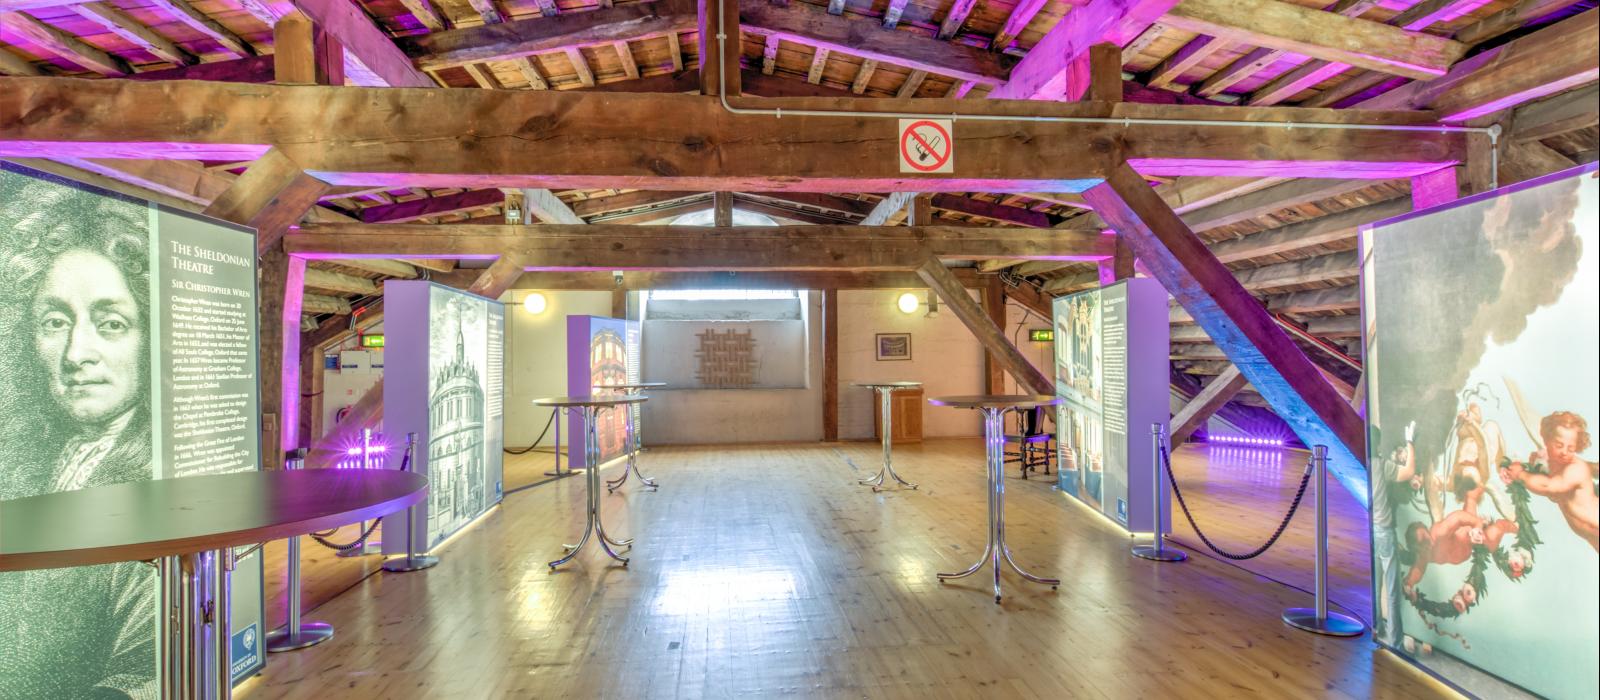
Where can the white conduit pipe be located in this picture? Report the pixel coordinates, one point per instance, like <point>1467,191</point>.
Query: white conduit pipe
<point>1493,131</point>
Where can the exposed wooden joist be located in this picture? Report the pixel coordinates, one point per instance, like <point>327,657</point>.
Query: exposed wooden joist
<point>268,198</point>
<point>722,209</point>
<point>1325,35</point>
<point>957,16</point>
<point>1344,265</point>
<point>990,336</point>
<point>721,43</point>
<point>1044,73</point>
<point>1346,298</point>
<point>340,283</point>
<point>544,206</point>
<point>819,61</point>
<point>769,54</point>
<point>1205,404</point>
<point>63,45</point>
<point>1315,71</point>
<point>201,22</point>
<point>1257,59</point>
<point>118,22</point>
<point>1267,357</point>
<point>1186,58</point>
<point>891,13</point>
<point>498,277</point>
<point>1568,111</point>
<point>303,54</point>
<point>426,14</point>
<point>1019,19</point>
<point>1333,228</point>
<point>624,247</point>
<point>638,280</point>
<point>512,138</point>
<point>805,24</point>
<point>889,206</point>
<point>601,206</point>
<point>12,64</point>
<point>1557,58</point>
<point>912,83</point>
<point>387,268</point>
<point>432,206</point>
<point>1335,327</point>
<point>364,42</point>
<point>525,37</point>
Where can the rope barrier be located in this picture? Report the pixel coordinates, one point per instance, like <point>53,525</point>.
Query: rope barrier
<point>1305,480</point>
<point>537,440</point>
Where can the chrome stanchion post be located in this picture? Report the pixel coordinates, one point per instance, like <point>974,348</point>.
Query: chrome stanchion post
<point>221,624</point>
<point>1319,619</point>
<point>296,634</point>
<point>557,471</point>
<point>1157,549</point>
<point>411,561</point>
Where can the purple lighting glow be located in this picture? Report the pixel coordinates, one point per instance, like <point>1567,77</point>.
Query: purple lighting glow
<point>1244,440</point>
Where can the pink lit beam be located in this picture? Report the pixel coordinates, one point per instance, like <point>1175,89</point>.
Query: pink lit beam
<point>479,139</point>
<point>1354,170</point>
<point>1274,24</point>
<point>1557,58</point>
<point>1313,73</point>
<point>566,247</point>
<point>1045,72</point>
<point>1236,321</point>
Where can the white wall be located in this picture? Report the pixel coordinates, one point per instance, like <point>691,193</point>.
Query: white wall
<point>945,357</point>
<point>1039,354</point>
<point>711,416</point>
<point>536,357</point>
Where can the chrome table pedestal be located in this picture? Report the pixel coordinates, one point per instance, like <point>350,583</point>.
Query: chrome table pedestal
<point>886,407</point>
<point>994,409</point>
<point>635,437</point>
<point>591,406</point>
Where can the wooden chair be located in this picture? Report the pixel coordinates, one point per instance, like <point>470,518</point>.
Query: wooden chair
<point>1031,445</point>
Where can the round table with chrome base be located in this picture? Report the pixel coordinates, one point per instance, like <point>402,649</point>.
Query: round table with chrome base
<point>635,437</point>
<point>886,407</point>
<point>994,409</point>
<point>188,528</point>
<point>591,407</point>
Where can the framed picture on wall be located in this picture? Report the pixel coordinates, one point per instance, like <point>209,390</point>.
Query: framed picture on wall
<point>894,346</point>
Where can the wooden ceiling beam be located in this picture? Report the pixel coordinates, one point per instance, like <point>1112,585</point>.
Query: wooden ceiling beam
<point>1315,72</point>
<point>1554,59</point>
<point>1333,228</point>
<point>889,206</point>
<point>601,206</point>
<point>955,18</point>
<point>426,14</point>
<point>637,280</point>
<point>1341,266</point>
<point>339,283</point>
<point>1257,59</point>
<point>516,138</point>
<point>118,22</point>
<point>1044,74</point>
<point>701,202</point>
<point>381,266</point>
<point>12,64</point>
<point>1329,36</point>
<point>364,43</point>
<point>61,44</point>
<point>415,209</point>
<point>526,37</point>
<point>1553,116</point>
<point>805,24</point>
<point>1214,396</point>
<point>623,247</point>
<point>1268,358</point>
<point>1346,298</point>
<point>201,22</point>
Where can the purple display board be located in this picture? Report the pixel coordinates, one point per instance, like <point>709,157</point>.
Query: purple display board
<point>1111,374</point>
<point>1482,323</point>
<point>444,360</point>
<point>600,350</point>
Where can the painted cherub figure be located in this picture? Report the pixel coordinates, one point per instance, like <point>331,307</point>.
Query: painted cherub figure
<point>1451,539</point>
<point>1558,473</point>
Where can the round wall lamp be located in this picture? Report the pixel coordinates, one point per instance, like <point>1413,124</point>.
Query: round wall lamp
<point>535,303</point>
<point>908,303</point>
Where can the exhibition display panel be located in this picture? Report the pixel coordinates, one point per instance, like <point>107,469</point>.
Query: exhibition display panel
<point>1480,321</point>
<point>1111,377</point>
<point>445,350</point>
<point>601,352</point>
<point>128,340</point>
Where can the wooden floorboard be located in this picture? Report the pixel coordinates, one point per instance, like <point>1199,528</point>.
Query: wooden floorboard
<point>765,571</point>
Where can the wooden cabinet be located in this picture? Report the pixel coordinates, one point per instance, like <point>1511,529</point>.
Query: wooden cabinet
<point>906,406</point>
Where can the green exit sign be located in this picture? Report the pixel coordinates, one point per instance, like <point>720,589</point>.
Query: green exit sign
<point>1042,335</point>
<point>372,340</point>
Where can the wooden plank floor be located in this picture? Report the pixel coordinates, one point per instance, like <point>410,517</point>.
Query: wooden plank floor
<point>764,570</point>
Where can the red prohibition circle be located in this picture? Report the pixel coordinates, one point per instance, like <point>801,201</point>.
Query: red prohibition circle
<point>911,133</point>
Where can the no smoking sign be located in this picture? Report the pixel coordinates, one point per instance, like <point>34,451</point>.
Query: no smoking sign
<point>926,146</point>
